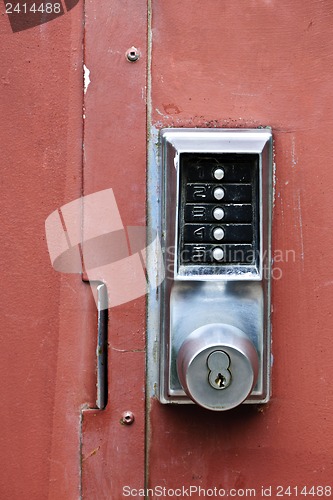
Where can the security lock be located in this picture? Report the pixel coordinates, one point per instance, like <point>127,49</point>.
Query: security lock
<point>215,228</point>
<point>225,357</point>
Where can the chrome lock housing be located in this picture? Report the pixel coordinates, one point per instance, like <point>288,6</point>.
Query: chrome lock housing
<point>215,228</point>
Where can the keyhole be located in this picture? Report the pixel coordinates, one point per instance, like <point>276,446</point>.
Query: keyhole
<point>220,381</point>
<point>219,375</point>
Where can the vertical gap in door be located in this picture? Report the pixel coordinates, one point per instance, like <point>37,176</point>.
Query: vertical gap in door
<point>82,191</point>
<point>149,114</point>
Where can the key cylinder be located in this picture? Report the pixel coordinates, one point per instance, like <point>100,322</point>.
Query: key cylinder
<point>218,366</point>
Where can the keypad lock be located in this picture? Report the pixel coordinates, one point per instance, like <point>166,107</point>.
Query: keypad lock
<point>219,211</point>
<point>215,227</point>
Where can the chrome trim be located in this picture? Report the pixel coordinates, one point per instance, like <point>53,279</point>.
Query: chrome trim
<point>191,298</point>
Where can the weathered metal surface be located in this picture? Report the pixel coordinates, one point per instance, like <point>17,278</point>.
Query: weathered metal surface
<point>115,157</point>
<point>223,64</point>
<point>46,359</point>
<point>248,64</point>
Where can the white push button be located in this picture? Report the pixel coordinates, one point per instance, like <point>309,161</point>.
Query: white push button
<point>218,233</point>
<point>218,213</point>
<point>218,193</point>
<point>218,253</point>
<point>219,174</point>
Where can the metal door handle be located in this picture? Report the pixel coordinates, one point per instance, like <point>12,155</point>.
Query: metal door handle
<point>102,347</point>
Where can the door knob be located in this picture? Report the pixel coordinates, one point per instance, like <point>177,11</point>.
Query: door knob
<point>217,366</point>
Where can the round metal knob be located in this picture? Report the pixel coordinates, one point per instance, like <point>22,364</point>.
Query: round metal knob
<point>218,366</point>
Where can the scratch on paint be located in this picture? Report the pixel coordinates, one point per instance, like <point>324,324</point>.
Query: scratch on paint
<point>91,454</point>
<point>5,79</point>
<point>322,285</point>
<point>244,94</point>
<point>298,200</point>
<point>293,153</point>
<point>126,350</point>
<point>300,226</point>
<point>87,80</point>
<point>274,185</point>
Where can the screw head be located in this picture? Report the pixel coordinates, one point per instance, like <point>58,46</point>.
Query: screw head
<point>132,54</point>
<point>127,418</point>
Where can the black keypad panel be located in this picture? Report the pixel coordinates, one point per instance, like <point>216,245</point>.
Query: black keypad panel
<point>219,209</point>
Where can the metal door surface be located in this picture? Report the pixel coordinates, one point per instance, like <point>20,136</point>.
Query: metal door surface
<point>150,65</point>
<point>250,64</point>
<point>45,351</point>
<point>221,64</point>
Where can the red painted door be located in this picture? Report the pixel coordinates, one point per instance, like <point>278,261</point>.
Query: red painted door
<point>201,64</point>
<point>250,64</point>
<point>46,316</point>
<point>219,64</point>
